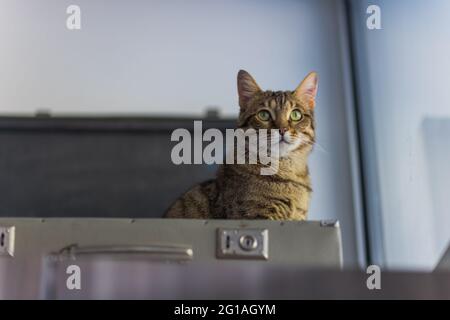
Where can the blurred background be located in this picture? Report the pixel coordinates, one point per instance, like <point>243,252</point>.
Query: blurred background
<point>382,163</point>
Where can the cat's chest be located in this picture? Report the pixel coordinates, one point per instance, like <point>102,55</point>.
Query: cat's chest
<point>272,197</point>
<point>285,198</point>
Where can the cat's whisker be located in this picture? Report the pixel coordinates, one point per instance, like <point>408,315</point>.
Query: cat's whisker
<point>318,145</point>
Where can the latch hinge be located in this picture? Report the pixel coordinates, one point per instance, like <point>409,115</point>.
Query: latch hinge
<point>7,237</point>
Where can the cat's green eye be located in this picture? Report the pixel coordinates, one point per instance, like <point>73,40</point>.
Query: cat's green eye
<point>263,115</point>
<point>296,115</point>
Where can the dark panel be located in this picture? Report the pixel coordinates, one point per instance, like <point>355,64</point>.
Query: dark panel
<point>93,167</point>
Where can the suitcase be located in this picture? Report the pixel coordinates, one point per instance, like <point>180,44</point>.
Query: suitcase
<point>129,258</point>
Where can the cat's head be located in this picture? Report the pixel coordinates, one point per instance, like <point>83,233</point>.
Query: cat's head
<point>291,113</point>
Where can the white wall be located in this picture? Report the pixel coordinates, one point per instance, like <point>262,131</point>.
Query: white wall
<point>175,58</point>
<point>408,80</point>
<point>153,56</point>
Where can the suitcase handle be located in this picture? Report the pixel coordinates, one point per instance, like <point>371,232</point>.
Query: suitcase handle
<point>162,252</point>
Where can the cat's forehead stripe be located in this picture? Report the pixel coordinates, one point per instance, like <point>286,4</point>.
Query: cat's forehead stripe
<point>279,100</point>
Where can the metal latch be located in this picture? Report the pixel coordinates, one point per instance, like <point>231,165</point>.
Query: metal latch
<point>7,235</point>
<point>243,244</point>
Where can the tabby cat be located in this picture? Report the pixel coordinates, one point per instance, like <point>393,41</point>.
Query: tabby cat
<point>239,190</point>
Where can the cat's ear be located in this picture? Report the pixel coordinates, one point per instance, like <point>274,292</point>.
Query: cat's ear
<point>247,87</point>
<point>307,90</point>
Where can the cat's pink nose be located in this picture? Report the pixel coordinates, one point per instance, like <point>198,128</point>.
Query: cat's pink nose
<point>283,131</point>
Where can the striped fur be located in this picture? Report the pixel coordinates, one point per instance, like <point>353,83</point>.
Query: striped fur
<point>239,190</point>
